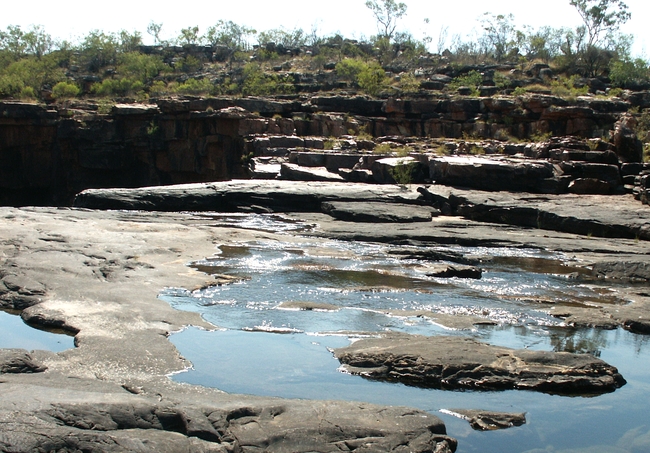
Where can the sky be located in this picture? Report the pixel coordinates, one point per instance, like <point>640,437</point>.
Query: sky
<point>72,19</point>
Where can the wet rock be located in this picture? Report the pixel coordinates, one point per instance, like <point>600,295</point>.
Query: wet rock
<point>19,361</point>
<point>308,306</point>
<point>378,212</point>
<point>482,420</point>
<point>622,270</point>
<point>455,271</point>
<point>462,363</point>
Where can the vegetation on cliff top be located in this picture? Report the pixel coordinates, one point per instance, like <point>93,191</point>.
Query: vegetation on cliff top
<point>233,59</point>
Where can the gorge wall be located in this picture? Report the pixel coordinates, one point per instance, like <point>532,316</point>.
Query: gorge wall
<point>50,153</point>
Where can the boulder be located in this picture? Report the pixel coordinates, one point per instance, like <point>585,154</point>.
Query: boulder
<point>628,147</point>
<point>590,186</point>
<point>17,361</point>
<point>455,271</point>
<point>463,363</point>
<point>399,170</point>
<point>489,173</point>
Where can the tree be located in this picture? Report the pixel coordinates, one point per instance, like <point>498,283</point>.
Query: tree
<point>189,35</point>
<point>601,17</point>
<point>154,30</point>
<point>229,34</point>
<point>501,38</point>
<point>387,13</point>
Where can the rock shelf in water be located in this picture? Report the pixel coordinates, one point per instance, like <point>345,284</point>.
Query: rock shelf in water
<point>463,363</point>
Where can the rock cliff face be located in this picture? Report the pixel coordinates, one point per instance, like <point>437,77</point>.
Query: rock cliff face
<point>49,154</point>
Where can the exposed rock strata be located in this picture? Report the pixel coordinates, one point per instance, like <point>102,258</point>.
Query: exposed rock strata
<point>462,363</point>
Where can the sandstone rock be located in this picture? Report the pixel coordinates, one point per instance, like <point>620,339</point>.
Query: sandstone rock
<point>622,270</point>
<point>18,361</point>
<point>589,186</point>
<point>462,363</point>
<point>455,271</point>
<point>482,420</point>
<point>489,173</point>
<point>378,212</point>
<point>292,172</point>
<point>628,147</point>
<point>400,170</point>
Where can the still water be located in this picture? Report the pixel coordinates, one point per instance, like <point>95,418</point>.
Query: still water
<point>16,334</point>
<point>266,346</point>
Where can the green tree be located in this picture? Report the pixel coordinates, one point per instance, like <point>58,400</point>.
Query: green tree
<point>501,38</point>
<point>154,30</point>
<point>98,50</point>
<point>189,35</point>
<point>601,17</point>
<point>65,90</point>
<point>387,13</point>
<point>140,66</point>
<point>282,37</point>
<point>230,35</point>
<point>627,71</point>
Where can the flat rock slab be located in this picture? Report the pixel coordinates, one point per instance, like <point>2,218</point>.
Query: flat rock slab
<point>482,420</point>
<point>377,212</point>
<point>463,363</point>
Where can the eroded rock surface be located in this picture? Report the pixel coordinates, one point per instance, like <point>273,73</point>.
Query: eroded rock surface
<point>463,363</point>
<point>482,420</point>
<point>98,274</point>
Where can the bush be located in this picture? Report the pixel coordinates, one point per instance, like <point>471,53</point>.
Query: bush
<point>350,68</point>
<point>472,80</point>
<point>625,72</point>
<point>257,83</point>
<point>141,67</point>
<point>65,90</point>
<point>117,87</point>
<point>195,86</point>
<point>372,79</point>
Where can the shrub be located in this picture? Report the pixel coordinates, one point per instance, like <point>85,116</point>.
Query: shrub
<point>624,72</point>
<point>28,93</point>
<point>257,83</point>
<point>408,83</point>
<point>65,90</point>
<point>472,80</point>
<point>117,87</point>
<point>567,87</point>
<point>10,86</point>
<point>195,86</point>
<point>350,68</point>
<point>372,79</point>
<point>141,67</point>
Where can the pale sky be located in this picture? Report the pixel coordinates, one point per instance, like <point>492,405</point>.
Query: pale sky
<point>71,19</point>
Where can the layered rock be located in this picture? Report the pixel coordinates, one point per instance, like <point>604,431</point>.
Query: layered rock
<point>463,363</point>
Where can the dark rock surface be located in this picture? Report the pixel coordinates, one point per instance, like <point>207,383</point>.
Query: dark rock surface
<point>19,361</point>
<point>482,420</point>
<point>462,363</point>
<point>378,212</point>
<point>458,271</point>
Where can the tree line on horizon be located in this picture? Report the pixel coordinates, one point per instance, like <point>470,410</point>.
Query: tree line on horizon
<point>34,65</point>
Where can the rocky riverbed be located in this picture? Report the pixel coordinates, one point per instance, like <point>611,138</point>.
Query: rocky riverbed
<point>98,274</point>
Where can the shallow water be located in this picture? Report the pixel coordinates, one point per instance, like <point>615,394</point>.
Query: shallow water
<point>266,349</point>
<point>17,334</point>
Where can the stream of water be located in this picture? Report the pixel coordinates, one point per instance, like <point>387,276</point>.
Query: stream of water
<point>266,345</point>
